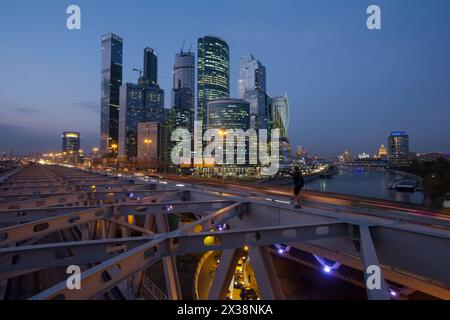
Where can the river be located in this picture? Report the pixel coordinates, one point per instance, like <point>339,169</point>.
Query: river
<point>367,182</point>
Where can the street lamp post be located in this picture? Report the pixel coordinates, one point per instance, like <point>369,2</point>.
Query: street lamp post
<point>147,143</point>
<point>114,148</point>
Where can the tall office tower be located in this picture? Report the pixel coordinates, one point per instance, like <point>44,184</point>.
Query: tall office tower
<point>280,120</point>
<point>70,142</point>
<point>142,102</point>
<point>280,115</point>
<point>150,74</point>
<point>252,88</point>
<point>184,71</point>
<point>213,73</point>
<point>132,112</point>
<point>184,86</point>
<point>111,76</point>
<point>398,143</point>
<point>252,76</point>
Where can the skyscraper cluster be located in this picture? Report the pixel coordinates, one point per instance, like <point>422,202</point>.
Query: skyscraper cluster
<point>131,112</point>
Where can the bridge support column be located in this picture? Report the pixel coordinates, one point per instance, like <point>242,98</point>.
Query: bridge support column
<point>265,273</point>
<point>138,279</point>
<point>169,263</point>
<point>224,273</point>
<point>370,258</point>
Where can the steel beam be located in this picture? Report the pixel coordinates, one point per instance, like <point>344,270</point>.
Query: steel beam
<point>369,257</point>
<point>169,263</point>
<point>45,226</point>
<point>265,273</point>
<point>224,274</point>
<point>93,282</point>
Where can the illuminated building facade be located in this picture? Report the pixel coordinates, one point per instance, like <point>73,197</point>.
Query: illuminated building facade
<point>230,114</point>
<point>363,156</point>
<point>398,143</point>
<point>150,146</point>
<point>213,73</point>
<point>70,142</point>
<point>111,80</point>
<point>154,103</point>
<point>382,153</point>
<point>347,156</point>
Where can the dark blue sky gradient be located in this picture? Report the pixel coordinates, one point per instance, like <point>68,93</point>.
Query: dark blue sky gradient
<point>348,87</point>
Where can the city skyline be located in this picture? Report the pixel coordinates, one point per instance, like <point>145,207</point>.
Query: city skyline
<point>397,74</point>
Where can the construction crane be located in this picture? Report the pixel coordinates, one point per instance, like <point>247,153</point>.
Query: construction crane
<point>138,70</point>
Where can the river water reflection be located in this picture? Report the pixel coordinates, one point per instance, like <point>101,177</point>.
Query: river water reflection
<point>367,182</point>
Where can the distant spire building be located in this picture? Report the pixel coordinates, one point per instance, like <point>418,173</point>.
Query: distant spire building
<point>111,80</point>
<point>382,153</point>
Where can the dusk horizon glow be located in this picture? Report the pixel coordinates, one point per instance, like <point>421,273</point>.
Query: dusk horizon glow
<point>348,87</point>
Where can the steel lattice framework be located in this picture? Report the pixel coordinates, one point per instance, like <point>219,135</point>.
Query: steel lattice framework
<point>411,246</point>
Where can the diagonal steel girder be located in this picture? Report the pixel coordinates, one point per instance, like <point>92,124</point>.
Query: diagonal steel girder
<point>138,258</point>
<point>26,255</point>
<point>45,226</point>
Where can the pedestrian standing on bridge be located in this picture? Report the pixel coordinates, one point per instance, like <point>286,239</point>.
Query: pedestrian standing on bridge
<point>297,178</point>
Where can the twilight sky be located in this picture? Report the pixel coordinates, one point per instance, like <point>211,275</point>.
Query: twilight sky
<point>349,87</point>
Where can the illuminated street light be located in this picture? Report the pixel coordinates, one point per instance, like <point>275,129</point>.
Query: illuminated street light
<point>148,141</point>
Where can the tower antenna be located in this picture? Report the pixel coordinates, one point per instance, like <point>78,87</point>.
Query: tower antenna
<point>182,48</point>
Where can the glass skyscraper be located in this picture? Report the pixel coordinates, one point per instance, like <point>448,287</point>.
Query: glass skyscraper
<point>213,73</point>
<point>184,86</point>
<point>150,74</point>
<point>132,112</point>
<point>398,148</point>
<point>252,76</point>
<point>184,71</point>
<point>111,80</point>
<point>142,102</point>
<point>280,120</point>
<point>228,114</point>
<point>252,88</point>
<point>280,115</point>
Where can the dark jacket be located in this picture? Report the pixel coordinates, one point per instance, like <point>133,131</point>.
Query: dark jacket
<point>297,178</point>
